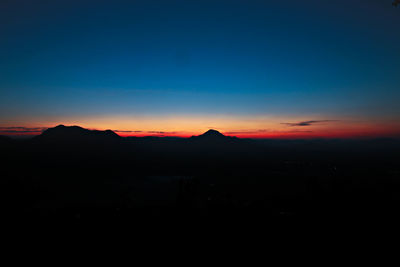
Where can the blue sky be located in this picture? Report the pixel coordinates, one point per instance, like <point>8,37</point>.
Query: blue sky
<point>296,59</point>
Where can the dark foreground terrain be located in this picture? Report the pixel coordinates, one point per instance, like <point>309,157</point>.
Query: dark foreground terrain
<point>73,175</point>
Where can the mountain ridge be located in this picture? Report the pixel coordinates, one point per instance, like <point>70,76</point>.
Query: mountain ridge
<point>62,132</point>
<point>214,136</point>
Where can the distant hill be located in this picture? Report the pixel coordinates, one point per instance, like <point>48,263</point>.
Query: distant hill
<point>213,136</point>
<point>76,133</point>
<point>5,140</point>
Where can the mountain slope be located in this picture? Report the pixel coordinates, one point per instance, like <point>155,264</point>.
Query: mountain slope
<point>213,136</point>
<point>76,133</point>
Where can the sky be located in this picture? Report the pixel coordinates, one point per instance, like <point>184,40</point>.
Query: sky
<point>261,69</point>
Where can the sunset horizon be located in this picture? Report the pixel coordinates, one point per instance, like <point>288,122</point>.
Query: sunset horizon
<point>263,69</point>
<point>288,130</point>
<point>217,116</point>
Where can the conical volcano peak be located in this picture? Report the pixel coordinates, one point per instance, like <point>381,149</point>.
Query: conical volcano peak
<point>213,136</point>
<point>212,132</point>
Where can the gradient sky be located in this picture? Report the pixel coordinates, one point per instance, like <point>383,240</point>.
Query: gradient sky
<point>307,68</point>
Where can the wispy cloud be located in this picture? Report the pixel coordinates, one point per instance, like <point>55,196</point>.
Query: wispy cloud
<point>248,132</point>
<point>124,131</point>
<point>160,132</point>
<point>265,131</point>
<point>144,132</point>
<point>18,129</point>
<point>306,123</point>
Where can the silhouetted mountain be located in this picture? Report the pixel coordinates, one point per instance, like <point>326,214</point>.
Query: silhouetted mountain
<point>213,136</point>
<point>76,133</point>
<point>212,133</point>
<point>80,175</point>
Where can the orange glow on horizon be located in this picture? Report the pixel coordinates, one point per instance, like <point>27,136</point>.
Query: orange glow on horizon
<point>273,127</point>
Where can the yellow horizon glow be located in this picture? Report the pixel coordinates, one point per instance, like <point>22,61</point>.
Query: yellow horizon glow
<point>258,125</point>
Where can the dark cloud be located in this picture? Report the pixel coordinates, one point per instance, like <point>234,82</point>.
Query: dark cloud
<point>298,131</point>
<point>145,132</point>
<point>157,132</point>
<point>123,131</point>
<point>267,131</point>
<point>18,129</point>
<point>248,132</point>
<point>306,123</point>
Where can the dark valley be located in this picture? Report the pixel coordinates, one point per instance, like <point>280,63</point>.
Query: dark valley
<point>73,175</point>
